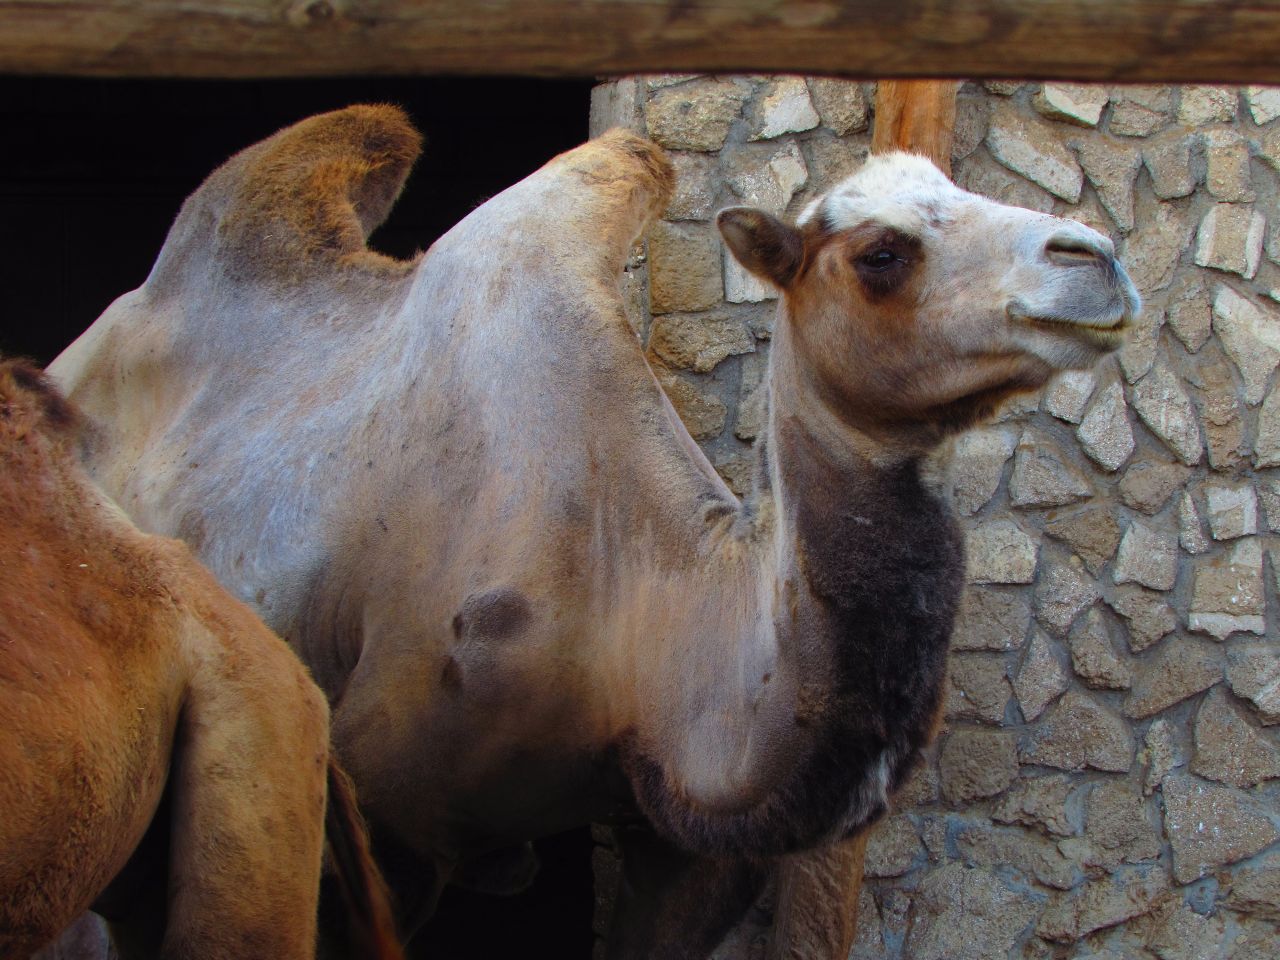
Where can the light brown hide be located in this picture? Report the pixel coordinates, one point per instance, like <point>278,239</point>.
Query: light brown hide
<point>126,670</point>
<point>454,485</point>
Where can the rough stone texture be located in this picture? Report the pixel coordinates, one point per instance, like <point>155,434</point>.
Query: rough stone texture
<point>765,175</point>
<point>1176,932</point>
<point>695,115</point>
<point>1253,672</point>
<point>785,107</point>
<point>1141,348</point>
<point>684,268</point>
<point>1002,552</point>
<point>1062,592</point>
<point>1209,826</point>
<point>1148,555</point>
<point>1256,888</point>
<point>1228,748</point>
<point>1042,475</point>
<point>1118,828</point>
<point>1220,414</point>
<point>1104,432</point>
<point>1094,656</point>
<point>1168,412</point>
<point>964,913</point>
<point>695,193</point>
<point>1067,393</point>
<point>983,845</point>
<point>1231,509</point>
<point>1033,149</point>
<point>1230,239</point>
<point>1200,105</point>
<point>1045,803</point>
<point>1041,678</point>
<point>1168,160</point>
<point>1264,103</point>
<point>1103,903</point>
<point>1250,334</point>
<point>977,465</point>
<point>1227,154</point>
<point>991,619</point>
<point>1160,755</point>
<point>1189,313</point>
<point>1138,111</point>
<point>1092,533</point>
<point>1078,732</point>
<point>698,342</point>
<point>977,688</point>
<point>892,848</point>
<point>982,174</point>
<point>1269,494</point>
<point>840,103</point>
<point>1149,618</point>
<point>1078,103</point>
<point>740,286</point>
<point>1148,484</point>
<point>1180,668</point>
<point>702,413</point>
<point>1190,532</point>
<point>977,763</point>
<point>1228,593</point>
<point>1112,168</point>
<point>1266,448</point>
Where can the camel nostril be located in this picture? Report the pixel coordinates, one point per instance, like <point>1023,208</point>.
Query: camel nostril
<point>1070,249</point>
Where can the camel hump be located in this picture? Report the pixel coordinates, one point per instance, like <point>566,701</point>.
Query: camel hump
<point>299,201</point>
<point>626,165</point>
<point>30,402</point>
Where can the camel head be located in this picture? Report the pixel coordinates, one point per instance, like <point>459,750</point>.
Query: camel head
<point>913,307</point>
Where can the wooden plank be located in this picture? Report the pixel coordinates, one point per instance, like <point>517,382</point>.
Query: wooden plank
<point>916,115</point>
<point>1122,40</point>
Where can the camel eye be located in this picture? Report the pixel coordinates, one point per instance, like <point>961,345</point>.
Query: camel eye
<point>880,259</point>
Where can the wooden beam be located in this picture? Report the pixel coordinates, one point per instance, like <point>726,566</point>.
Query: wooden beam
<point>916,115</point>
<point>1223,41</point>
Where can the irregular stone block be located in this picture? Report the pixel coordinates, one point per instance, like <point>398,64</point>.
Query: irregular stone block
<point>1092,533</point>
<point>1201,105</point>
<point>1168,160</point>
<point>1230,239</point>
<point>1160,755</point>
<point>1228,166</point>
<point>990,619</point>
<point>892,847</point>
<point>1176,932</point>
<point>979,173</point>
<point>868,941</point>
<point>784,107</point>
<point>1063,591</point>
<point>1266,449</point>
<point>1228,594</point>
<point>1044,802</point>
<point>1180,668</point>
<point>1094,657</point>
<point>1151,253</point>
<point>1078,732</point>
<point>972,116</point>
<point>1139,111</point>
<point>963,913</point>
<point>742,286</point>
<point>831,159</point>
<point>1067,393</point>
<point>1078,103</point>
<point>765,175</point>
<point>738,472</point>
<point>1189,313</point>
<point>1147,556</point>
<point>1042,475</point>
<point>1220,415</point>
<point>840,103</point>
<point>1168,413</point>
<point>1033,149</point>
<point>1119,825</point>
<point>1210,826</point>
<point>1264,103</point>
<point>1250,334</point>
<point>1000,551</point>
<point>698,342</point>
<point>977,465</point>
<point>1228,748</point>
<point>703,414</point>
<point>684,268</point>
<point>695,115</point>
<point>1190,533</point>
<point>976,764</point>
<point>983,845</point>
<point>1139,351</point>
<point>1148,484</point>
<point>1041,679</point>
<point>1253,673</point>
<point>977,688</point>
<point>753,398</point>
<point>1232,510</point>
<point>1104,432</point>
<point>1255,888</point>
<point>695,194</point>
<point>1112,169</point>
<point>1103,903</point>
<point>1149,618</point>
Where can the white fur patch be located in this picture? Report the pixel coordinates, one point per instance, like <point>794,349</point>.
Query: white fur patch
<point>900,190</point>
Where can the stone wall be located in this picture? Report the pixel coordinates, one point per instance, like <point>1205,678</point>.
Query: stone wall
<point>1108,779</point>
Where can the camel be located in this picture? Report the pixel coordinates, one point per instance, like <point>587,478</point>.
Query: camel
<point>152,731</point>
<point>454,485</point>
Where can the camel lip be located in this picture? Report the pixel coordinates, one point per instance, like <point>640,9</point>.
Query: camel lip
<point>1103,334</point>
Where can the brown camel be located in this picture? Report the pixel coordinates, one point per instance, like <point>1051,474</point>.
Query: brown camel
<point>454,485</point>
<point>134,684</point>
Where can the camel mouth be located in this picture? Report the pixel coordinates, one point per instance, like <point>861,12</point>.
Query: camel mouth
<point>1104,332</point>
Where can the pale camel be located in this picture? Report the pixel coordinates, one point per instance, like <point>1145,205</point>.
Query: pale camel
<point>455,486</point>
<point>153,733</point>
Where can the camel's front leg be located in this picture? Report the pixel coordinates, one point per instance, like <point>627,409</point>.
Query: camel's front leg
<point>817,912</point>
<point>672,905</point>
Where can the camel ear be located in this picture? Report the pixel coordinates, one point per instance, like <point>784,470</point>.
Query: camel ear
<point>762,243</point>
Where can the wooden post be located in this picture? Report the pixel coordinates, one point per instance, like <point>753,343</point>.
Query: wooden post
<point>916,115</point>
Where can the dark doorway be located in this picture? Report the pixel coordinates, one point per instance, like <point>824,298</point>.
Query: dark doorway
<point>93,173</point>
